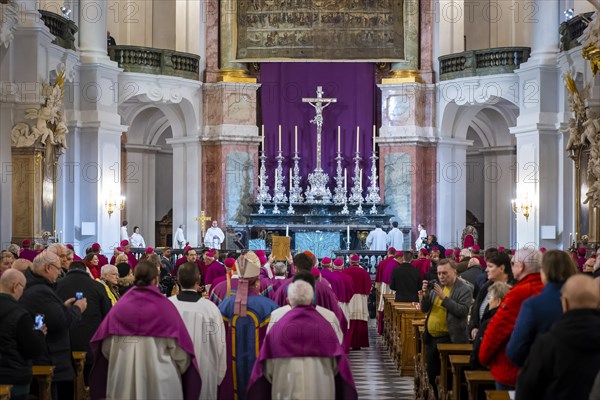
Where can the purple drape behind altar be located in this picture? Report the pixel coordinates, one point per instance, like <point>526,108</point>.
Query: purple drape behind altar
<point>283,85</point>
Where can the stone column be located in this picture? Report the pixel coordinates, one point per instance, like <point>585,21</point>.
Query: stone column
<point>230,71</point>
<point>29,17</point>
<point>545,37</point>
<point>188,176</point>
<point>92,31</point>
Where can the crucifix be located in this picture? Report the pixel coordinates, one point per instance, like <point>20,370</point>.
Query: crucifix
<point>203,219</point>
<point>319,103</point>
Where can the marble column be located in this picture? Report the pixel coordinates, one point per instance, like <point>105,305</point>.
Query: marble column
<point>230,71</point>
<point>499,189</point>
<point>92,31</point>
<point>29,17</point>
<point>407,70</point>
<point>545,37</point>
<point>188,178</point>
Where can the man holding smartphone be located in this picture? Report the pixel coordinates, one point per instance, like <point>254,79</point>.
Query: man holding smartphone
<point>19,343</point>
<point>447,305</point>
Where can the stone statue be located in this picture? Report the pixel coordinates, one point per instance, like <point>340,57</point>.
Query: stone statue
<point>22,136</point>
<point>8,22</point>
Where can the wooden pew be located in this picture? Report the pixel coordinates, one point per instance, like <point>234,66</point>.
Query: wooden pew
<point>478,379</point>
<point>458,363</point>
<point>43,375</point>
<point>79,384</point>
<point>445,350</point>
<point>5,392</point>
<point>387,320</point>
<point>406,313</point>
<point>497,395</point>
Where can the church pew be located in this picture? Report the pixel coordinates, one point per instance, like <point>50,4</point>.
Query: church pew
<point>5,392</point>
<point>406,341</point>
<point>388,299</point>
<point>445,350</point>
<point>458,364</point>
<point>79,384</point>
<point>396,344</point>
<point>43,375</point>
<point>477,380</point>
<point>497,395</point>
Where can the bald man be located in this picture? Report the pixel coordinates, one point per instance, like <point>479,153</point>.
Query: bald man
<point>21,264</point>
<point>19,342</point>
<point>563,362</point>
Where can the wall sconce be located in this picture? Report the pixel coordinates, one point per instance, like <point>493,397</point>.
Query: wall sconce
<point>522,206</point>
<point>112,202</point>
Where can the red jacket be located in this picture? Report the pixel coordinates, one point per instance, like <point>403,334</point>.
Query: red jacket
<point>493,347</point>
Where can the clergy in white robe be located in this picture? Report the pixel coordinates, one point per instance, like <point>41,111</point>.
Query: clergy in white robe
<point>124,234</point>
<point>137,240</point>
<point>301,357</point>
<point>421,238</point>
<point>377,239</point>
<point>214,236</point>
<point>142,349</point>
<point>206,328</point>
<point>179,239</point>
<point>395,238</point>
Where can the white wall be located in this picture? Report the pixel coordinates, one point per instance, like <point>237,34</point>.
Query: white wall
<point>164,184</point>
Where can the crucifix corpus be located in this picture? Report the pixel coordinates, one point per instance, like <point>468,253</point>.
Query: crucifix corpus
<point>319,103</point>
<point>203,219</point>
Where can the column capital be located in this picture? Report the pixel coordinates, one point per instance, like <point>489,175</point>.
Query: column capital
<point>453,142</point>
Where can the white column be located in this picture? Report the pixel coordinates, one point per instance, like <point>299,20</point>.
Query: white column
<point>545,37</point>
<point>92,31</point>
<point>29,17</point>
<point>187,166</point>
<point>451,189</point>
<point>498,166</point>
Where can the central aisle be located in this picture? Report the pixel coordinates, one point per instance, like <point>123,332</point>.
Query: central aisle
<point>375,374</point>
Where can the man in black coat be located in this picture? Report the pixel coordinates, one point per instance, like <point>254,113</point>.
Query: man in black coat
<point>78,280</point>
<point>19,342</point>
<point>40,298</point>
<point>406,280</point>
<point>563,362</point>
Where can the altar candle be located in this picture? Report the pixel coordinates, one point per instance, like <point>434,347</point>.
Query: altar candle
<point>373,138</point>
<point>275,180</point>
<point>348,235</point>
<point>262,139</point>
<point>296,138</point>
<point>338,138</point>
<point>345,180</point>
<point>279,137</point>
<point>360,180</point>
<point>357,138</point>
<point>290,180</point>
<point>287,230</point>
<point>570,238</point>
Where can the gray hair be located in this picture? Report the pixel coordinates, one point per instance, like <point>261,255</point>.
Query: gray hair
<point>280,269</point>
<point>43,259</point>
<point>498,290</point>
<point>13,248</point>
<point>300,293</point>
<point>531,259</point>
<point>465,253</point>
<point>107,269</point>
<point>57,248</point>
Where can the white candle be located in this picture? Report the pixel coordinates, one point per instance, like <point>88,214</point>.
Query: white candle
<point>287,230</point>
<point>338,138</point>
<point>290,180</point>
<point>373,138</point>
<point>348,234</point>
<point>360,180</point>
<point>357,138</point>
<point>570,238</point>
<point>262,139</point>
<point>275,178</point>
<point>345,180</point>
<point>296,138</point>
<point>279,137</point>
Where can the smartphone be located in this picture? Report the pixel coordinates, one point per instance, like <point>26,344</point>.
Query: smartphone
<point>79,295</point>
<point>39,322</point>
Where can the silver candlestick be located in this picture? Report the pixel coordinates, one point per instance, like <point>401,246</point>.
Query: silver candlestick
<point>279,195</point>
<point>373,191</point>
<point>290,209</point>
<point>345,210</point>
<point>263,192</point>
<point>296,192</point>
<point>276,209</point>
<point>359,210</point>
<point>340,193</point>
<point>356,196</point>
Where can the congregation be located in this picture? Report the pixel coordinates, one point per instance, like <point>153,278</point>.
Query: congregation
<point>253,327</point>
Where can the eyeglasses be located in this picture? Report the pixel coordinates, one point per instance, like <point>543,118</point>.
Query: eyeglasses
<point>57,267</point>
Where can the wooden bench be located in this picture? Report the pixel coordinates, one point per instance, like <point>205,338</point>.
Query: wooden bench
<point>43,375</point>
<point>458,364</point>
<point>478,379</point>
<point>497,395</point>
<point>5,392</point>
<point>445,350</point>
<point>79,384</point>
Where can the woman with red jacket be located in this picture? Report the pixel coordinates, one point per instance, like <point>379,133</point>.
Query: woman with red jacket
<point>526,269</point>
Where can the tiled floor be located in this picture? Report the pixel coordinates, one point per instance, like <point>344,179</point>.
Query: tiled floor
<point>375,374</point>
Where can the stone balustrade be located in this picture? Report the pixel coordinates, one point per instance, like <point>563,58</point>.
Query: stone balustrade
<point>500,60</point>
<point>571,31</point>
<point>62,28</point>
<point>148,60</point>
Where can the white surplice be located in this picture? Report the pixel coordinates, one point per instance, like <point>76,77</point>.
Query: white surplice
<point>137,241</point>
<point>395,239</point>
<point>377,240</point>
<point>301,377</point>
<point>141,367</point>
<point>124,234</point>
<point>209,237</point>
<point>277,314</point>
<point>205,325</point>
<point>179,239</point>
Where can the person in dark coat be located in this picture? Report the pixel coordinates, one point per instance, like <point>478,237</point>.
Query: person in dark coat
<point>472,273</point>
<point>564,362</point>
<point>40,298</point>
<point>19,342</point>
<point>98,305</point>
<point>496,293</point>
<point>406,280</point>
